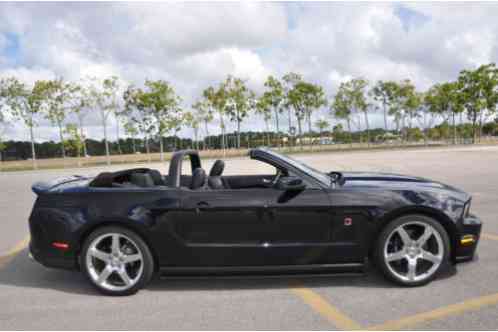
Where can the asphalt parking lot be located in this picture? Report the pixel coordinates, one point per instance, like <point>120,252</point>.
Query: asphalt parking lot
<point>466,297</point>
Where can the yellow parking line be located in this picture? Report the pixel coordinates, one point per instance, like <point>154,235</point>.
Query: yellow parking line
<point>4,259</point>
<point>331,313</point>
<point>453,309</point>
<point>489,236</point>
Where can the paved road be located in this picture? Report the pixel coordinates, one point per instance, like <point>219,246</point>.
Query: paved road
<point>466,297</point>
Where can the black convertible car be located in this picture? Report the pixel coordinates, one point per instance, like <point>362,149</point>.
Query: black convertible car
<point>121,228</point>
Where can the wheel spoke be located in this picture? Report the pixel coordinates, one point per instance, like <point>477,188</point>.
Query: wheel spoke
<point>132,258</point>
<point>412,269</point>
<point>396,256</point>
<point>115,244</point>
<point>124,276</point>
<point>404,235</point>
<point>426,236</point>
<point>104,275</point>
<point>103,256</point>
<point>428,256</point>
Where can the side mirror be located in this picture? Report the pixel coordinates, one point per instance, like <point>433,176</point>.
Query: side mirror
<point>290,183</point>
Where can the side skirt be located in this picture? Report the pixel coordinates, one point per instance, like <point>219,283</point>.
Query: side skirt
<point>263,271</point>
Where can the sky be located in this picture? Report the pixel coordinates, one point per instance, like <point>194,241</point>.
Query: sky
<point>194,45</point>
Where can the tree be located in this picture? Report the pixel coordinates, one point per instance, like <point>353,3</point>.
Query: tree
<point>24,103</point>
<point>322,125</point>
<point>443,99</point>
<point>55,94</point>
<point>163,104</point>
<point>275,96</point>
<point>412,105</point>
<point>305,97</point>
<point>78,104</point>
<point>239,99</point>
<point>139,116</point>
<point>204,112</point>
<point>131,130</point>
<point>356,89</point>
<point>405,105</point>
<point>217,99</point>
<point>264,108</point>
<point>289,81</point>
<point>103,96</point>
<point>2,126</point>
<point>338,132</point>
<point>385,93</point>
<point>75,142</point>
<point>349,101</point>
<point>193,120</point>
<point>478,93</point>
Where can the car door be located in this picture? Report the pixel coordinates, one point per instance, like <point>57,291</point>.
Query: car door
<point>302,227</point>
<point>223,227</point>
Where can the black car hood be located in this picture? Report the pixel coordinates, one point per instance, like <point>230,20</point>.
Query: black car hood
<point>397,181</point>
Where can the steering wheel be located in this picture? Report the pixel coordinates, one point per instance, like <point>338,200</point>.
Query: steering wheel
<point>276,178</point>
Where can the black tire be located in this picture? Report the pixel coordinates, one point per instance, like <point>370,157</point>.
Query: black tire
<point>147,260</point>
<point>381,261</point>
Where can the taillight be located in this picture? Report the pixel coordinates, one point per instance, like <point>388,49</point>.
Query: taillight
<point>60,245</point>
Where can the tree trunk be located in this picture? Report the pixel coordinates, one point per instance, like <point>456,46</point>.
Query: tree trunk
<point>206,141</point>
<point>350,133</point>
<point>196,132</point>
<point>309,122</point>
<point>33,152</point>
<point>238,130</point>
<point>83,139</point>
<point>385,116</point>
<point>117,136</point>
<point>107,154</point>
<point>222,125</point>
<point>267,132</point>
<point>161,147</point>
<point>480,126</point>
<point>474,131</point>
<point>290,119</point>
<point>277,126</point>
<point>61,137</point>
<point>147,149</point>
<point>454,130</point>
<point>133,146</point>
<point>300,132</point>
<point>368,128</point>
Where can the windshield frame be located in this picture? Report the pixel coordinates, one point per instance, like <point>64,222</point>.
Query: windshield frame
<point>317,175</point>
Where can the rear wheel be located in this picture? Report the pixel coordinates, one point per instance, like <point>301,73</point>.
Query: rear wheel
<point>412,249</point>
<point>116,261</point>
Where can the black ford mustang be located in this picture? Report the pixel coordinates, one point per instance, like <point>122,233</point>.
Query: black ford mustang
<point>121,228</point>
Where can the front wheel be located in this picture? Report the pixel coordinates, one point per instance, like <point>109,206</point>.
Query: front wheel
<point>411,250</point>
<point>116,261</point>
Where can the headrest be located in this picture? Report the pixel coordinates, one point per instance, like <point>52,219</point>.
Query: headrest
<point>198,178</point>
<point>217,168</point>
<point>142,180</point>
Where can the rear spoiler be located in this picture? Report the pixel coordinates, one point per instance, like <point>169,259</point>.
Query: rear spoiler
<point>42,187</point>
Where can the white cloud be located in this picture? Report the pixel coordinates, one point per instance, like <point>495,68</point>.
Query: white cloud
<point>194,45</point>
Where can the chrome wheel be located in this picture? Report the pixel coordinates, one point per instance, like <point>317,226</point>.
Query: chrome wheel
<point>114,262</point>
<point>414,251</point>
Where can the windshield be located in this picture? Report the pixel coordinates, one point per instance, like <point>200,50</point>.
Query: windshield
<point>320,176</point>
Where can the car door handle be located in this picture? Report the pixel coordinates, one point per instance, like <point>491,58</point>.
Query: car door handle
<point>202,204</point>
